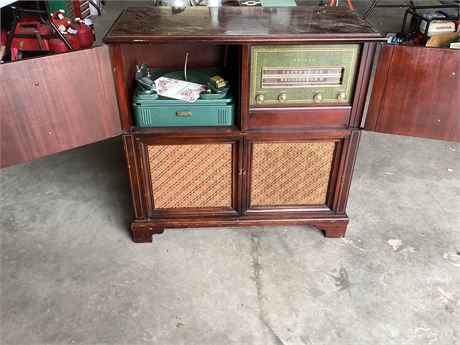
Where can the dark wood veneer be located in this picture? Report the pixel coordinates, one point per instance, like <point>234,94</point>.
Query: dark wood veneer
<point>299,117</point>
<point>143,231</point>
<point>59,102</point>
<point>364,74</point>
<point>56,103</point>
<point>223,38</point>
<point>134,171</point>
<point>239,24</point>
<point>244,85</point>
<point>416,93</point>
<point>345,172</point>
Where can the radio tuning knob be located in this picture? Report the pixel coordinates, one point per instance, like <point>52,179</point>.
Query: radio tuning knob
<point>341,96</point>
<point>260,99</point>
<point>318,98</point>
<point>282,98</point>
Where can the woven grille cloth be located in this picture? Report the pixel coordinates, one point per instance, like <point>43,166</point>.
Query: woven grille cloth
<point>291,173</point>
<point>191,175</point>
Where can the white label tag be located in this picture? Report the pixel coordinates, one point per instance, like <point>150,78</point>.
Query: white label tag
<point>178,89</point>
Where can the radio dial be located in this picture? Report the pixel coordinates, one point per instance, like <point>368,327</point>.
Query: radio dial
<point>260,99</point>
<point>341,96</point>
<point>318,98</point>
<point>282,98</point>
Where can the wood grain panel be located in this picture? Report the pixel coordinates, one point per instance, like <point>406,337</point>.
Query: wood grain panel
<point>173,55</point>
<point>298,117</point>
<point>236,24</point>
<point>364,74</point>
<point>124,86</point>
<point>381,74</point>
<point>420,95</point>
<point>332,226</point>
<point>135,173</point>
<point>56,103</point>
<point>244,86</point>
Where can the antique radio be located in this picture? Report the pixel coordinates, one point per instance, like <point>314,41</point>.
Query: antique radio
<point>303,74</point>
<point>212,108</point>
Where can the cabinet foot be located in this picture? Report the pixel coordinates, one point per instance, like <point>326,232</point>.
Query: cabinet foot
<point>334,230</point>
<point>145,236</point>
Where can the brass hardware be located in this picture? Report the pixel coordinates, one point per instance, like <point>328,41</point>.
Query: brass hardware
<point>184,113</point>
<point>241,172</point>
<point>282,98</point>
<point>260,99</point>
<point>318,98</point>
<point>218,82</point>
<point>341,96</point>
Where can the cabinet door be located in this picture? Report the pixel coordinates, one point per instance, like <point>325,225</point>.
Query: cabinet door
<point>185,176</point>
<point>300,174</point>
<point>55,103</point>
<point>416,93</point>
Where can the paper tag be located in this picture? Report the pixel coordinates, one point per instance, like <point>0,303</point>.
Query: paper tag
<point>178,89</point>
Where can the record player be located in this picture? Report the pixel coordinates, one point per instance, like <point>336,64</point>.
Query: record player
<point>214,107</point>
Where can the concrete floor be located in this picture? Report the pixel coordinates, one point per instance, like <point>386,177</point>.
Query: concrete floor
<point>70,273</point>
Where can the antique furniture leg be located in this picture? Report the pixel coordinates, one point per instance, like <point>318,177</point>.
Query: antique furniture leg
<point>143,234</point>
<point>333,229</point>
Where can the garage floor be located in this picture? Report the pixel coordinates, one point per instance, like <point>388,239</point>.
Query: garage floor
<point>70,273</point>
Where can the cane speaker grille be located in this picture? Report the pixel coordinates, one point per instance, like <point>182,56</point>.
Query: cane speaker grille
<point>189,176</point>
<point>291,173</point>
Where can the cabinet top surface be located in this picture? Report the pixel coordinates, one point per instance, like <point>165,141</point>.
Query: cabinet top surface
<point>238,25</point>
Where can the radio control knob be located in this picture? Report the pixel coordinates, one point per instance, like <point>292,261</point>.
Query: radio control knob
<point>282,98</point>
<point>318,98</point>
<point>341,96</point>
<point>260,99</point>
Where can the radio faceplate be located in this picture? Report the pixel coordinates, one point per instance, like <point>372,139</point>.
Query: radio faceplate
<point>303,74</point>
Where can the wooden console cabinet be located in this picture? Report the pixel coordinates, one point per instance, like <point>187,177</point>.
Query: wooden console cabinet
<point>287,160</point>
<point>282,163</point>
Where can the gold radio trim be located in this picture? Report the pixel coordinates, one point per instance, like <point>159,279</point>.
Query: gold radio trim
<point>254,64</point>
<point>287,75</point>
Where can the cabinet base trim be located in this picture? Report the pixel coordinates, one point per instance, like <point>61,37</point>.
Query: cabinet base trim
<point>143,231</point>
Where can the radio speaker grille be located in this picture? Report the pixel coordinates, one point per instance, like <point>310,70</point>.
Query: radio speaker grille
<point>188,176</point>
<point>291,173</point>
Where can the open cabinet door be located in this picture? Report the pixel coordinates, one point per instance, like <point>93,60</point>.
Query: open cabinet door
<point>56,103</point>
<point>416,92</point>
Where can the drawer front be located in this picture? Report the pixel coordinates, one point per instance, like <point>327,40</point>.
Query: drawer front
<point>303,74</point>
